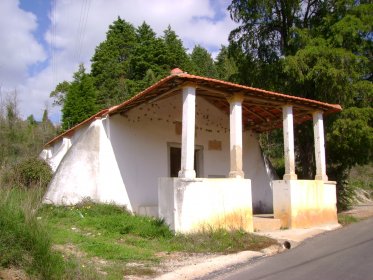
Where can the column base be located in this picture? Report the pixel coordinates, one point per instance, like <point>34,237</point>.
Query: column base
<point>291,176</point>
<point>190,174</point>
<point>236,174</point>
<point>323,177</point>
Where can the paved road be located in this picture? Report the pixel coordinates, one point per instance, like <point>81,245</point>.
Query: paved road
<point>346,253</point>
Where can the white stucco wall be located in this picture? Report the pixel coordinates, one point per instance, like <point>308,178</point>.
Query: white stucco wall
<point>305,203</point>
<point>139,139</point>
<point>255,169</point>
<point>54,154</point>
<point>88,171</point>
<point>190,205</point>
<point>135,149</point>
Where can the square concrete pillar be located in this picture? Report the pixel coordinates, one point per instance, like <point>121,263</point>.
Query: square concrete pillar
<point>193,205</point>
<point>235,122</point>
<point>318,131</point>
<point>188,132</point>
<point>288,130</point>
<point>304,203</point>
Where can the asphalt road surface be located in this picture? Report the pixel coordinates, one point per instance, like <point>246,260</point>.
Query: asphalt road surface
<point>346,253</point>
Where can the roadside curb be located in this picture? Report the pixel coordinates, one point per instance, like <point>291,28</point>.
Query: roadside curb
<point>212,264</point>
<point>218,263</point>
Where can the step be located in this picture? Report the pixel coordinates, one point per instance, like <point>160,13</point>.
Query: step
<point>266,222</point>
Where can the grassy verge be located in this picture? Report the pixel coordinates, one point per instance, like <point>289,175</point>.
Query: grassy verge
<point>95,241</point>
<point>122,240</point>
<point>345,219</point>
<point>25,243</point>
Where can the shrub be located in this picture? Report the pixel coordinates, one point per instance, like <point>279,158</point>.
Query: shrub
<point>24,242</point>
<point>28,173</point>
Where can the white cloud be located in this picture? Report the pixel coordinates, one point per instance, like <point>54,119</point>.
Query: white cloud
<point>18,48</point>
<point>195,21</point>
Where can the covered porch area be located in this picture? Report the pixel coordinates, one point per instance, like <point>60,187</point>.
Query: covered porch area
<point>188,203</point>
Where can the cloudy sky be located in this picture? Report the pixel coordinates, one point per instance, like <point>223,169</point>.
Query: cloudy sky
<point>43,41</point>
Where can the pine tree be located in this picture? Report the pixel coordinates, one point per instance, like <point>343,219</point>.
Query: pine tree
<point>110,63</point>
<point>80,102</point>
<point>176,55</point>
<point>149,54</point>
<point>202,62</point>
<point>226,66</point>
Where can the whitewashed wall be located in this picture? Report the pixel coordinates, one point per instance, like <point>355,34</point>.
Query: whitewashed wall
<point>139,139</point>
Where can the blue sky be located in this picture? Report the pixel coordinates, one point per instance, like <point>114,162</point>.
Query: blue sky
<point>43,41</point>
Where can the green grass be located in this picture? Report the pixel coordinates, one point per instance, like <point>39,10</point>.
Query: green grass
<point>111,233</point>
<point>345,219</point>
<point>96,241</point>
<point>26,243</point>
<point>361,176</point>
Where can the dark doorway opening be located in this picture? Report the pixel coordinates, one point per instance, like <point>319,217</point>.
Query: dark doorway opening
<point>175,161</point>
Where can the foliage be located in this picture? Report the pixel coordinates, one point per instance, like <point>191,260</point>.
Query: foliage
<point>59,93</point>
<point>352,134</point>
<point>111,233</point>
<point>202,62</point>
<point>220,240</point>
<point>345,219</point>
<point>315,49</point>
<point>20,139</point>
<point>226,66</point>
<point>272,145</point>
<point>176,55</point>
<point>80,101</point>
<point>29,173</point>
<point>25,242</point>
<point>131,59</point>
<point>110,63</point>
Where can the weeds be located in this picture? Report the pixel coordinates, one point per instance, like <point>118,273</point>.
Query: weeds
<point>25,242</point>
<point>96,239</point>
<point>345,219</point>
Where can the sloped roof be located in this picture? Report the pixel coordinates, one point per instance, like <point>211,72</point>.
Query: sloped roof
<point>262,109</point>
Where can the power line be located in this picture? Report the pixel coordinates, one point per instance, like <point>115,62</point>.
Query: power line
<point>52,42</point>
<point>84,12</point>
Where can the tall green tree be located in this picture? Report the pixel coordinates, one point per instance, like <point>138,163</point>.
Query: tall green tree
<point>315,49</point>
<point>176,55</point>
<point>149,54</point>
<point>59,93</point>
<point>202,62</point>
<point>111,62</point>
<point>80,101</point>
<point>226,66</point>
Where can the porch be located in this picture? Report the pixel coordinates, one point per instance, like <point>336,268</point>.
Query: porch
<point>188,203</point>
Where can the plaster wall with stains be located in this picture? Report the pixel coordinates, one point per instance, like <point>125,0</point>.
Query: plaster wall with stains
<point>140,139</point>
<point>202,204</point>
<point>305,203</point>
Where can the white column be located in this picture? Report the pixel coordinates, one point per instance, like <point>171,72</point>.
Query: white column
<point>235,122</point>
<point>188,132</point>
<point>288,128</point>
<point>318,131</point>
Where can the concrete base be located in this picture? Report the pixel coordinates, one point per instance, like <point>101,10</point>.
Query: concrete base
<point>190,205</point>
<point>266,223</point>
<point>304,203</point>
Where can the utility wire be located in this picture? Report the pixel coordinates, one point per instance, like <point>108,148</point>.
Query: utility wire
<point>52,42</point>
<point>81,31</point>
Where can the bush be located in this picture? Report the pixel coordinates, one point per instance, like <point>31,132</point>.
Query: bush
<point>25,241</point>
<point>345,195</point>
<point>28,173</point>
